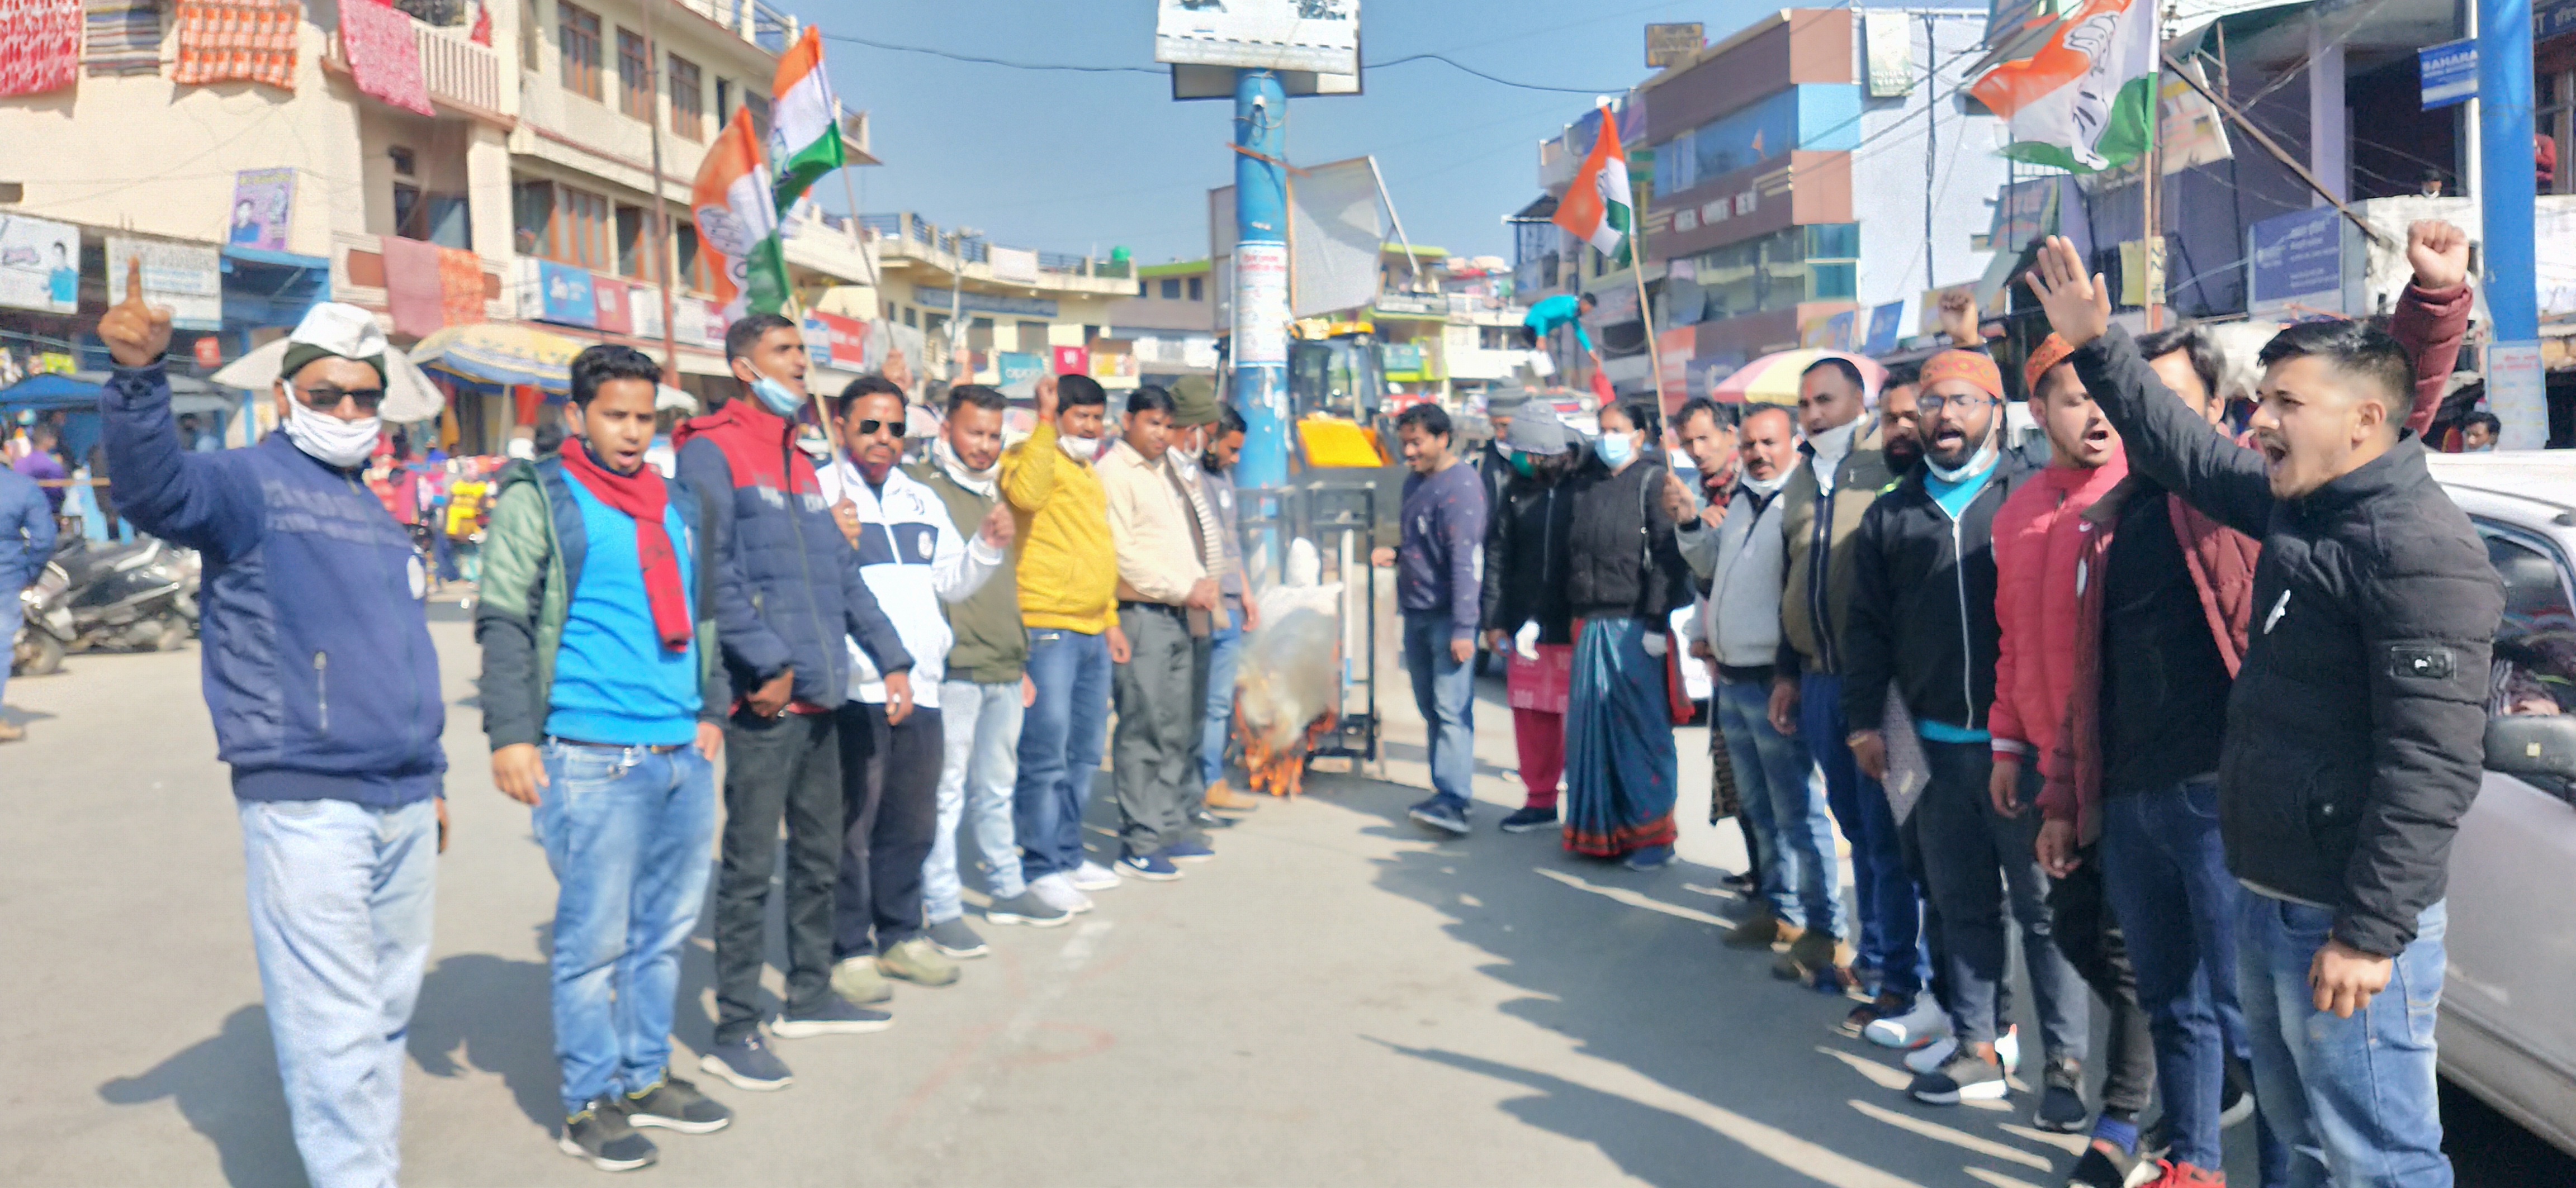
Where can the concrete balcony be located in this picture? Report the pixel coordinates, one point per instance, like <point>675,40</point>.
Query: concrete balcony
<point>932,254</point>
<point>358,275</point>
<point>461,76</point>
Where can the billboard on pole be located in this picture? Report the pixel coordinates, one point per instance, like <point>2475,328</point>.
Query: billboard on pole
<point>1322,36</point>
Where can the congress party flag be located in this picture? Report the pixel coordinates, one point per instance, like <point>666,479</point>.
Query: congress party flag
<point>1596,206</point>
<point>2085,100</point>
<point>806,119</point>
<point>736,221</point>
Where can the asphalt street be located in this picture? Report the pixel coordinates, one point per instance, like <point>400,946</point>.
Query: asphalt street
<point>1339,998</point>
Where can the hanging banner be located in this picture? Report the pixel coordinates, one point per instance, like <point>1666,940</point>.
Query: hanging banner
<point>1261,304</point>
<point>187,277</point>
<point>566,294</point>
<point>608,301</point>
<point>39,264</point>
<point>263,202</point>
<point>1071,360</point>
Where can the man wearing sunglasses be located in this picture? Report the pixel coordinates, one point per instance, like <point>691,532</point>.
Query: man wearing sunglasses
<point>325,696</point>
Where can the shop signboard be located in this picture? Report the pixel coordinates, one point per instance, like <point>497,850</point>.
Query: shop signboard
<point>608,305</point>
<point>2448,73</point>
<point>689,321</point>
<point>1670,44</point>
<point>843,341</point>
<point>1884,322</point>
<point>1018,372</point>
<point>187,277</point>
<point>1071,360</point>
<point>564,294</point>
<point>1261,305</point>
<point>1113,365</point>
<point>39,264</point>
<point>2550,18</point>
<point>1674,349</point>
<point>1318,35</point>
<point>644,309</point>
<point>1018,266</point>
<point>2517,395</point>
<point>2296,259</point>
<point>263,203</point>
<point>948,301</point>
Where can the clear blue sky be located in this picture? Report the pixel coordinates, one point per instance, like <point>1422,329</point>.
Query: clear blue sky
<point>1069,162</point>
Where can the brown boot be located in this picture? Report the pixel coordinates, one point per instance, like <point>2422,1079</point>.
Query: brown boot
<point>1811,953</point>
<point>1224,799</point>
<point>1761,931</point>
<point>11,731</point>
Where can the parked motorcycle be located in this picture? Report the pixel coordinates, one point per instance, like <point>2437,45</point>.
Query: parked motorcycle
<point>139,596</point>
<point>45,631</point>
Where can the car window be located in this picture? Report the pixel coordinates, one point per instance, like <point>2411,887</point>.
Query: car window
<point>2535,647</point>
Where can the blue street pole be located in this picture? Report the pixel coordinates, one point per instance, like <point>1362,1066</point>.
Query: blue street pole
<point>2507,192</point>
<point>1260,337</point>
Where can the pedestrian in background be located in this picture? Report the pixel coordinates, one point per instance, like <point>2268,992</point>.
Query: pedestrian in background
<point>27,533</point>
<point>1493,460</point>
<point>982,694</point>
<point>1067,571</point>
<point>916,563</point>
<point>1527,537</point>
<point>1195,416</point>
<point>1624,575</point>
<point>43,464</point>
<point>793,597</point>
<point>1166,602</point>
<point>1706,431</point>
<point>2354,729</point>
<point>1223,447</point>
<point>604,698</point>
<point>1441,597</point>
<point>324,690</point>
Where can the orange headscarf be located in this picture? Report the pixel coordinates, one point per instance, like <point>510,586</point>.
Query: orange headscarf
<point>2051,351</point>
<point>1976,367</point>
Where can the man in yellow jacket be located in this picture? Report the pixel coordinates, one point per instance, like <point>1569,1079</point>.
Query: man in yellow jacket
<point>1068,577</point>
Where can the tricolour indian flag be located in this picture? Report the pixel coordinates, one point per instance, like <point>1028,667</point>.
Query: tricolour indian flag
<point>1596,208</point>
<point>2085,100</point>
<point>805,119</point>
<point>736,221</point>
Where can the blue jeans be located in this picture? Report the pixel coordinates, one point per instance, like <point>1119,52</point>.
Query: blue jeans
<point>2353,1099</point>
<point>1983,877</point>
<point>12,614</point>
<point>1802,879</point>
<point>2166,874</point>
<point>979,762</point>
<point>1444,690</point>
<point>1891,907</point>
<point>1225,650</point>
<point>628,833</point>
<point>340,905</point>
<point>1060,740</point>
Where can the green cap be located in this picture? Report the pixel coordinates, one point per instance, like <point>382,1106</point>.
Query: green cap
<point>1194,402</point>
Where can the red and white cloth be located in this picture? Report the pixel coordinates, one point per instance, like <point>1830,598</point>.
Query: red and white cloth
<point>229,40</point>
<point>384,57</point>
<point>40,44</point>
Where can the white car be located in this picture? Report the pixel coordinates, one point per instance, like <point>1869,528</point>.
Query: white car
<point>2507,1034</point>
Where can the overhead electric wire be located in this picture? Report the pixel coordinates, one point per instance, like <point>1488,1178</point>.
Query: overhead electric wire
<point>1078,68</point>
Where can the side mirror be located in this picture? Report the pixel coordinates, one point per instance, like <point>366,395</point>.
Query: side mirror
<point>2540,746</point>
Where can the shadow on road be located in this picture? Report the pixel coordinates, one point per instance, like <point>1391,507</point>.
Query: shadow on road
<point>489,1013</point>
<point>227,1088</point>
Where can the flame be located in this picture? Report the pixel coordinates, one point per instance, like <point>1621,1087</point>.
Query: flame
<point>1281,772</point>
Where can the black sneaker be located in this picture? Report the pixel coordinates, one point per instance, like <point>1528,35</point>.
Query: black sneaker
<point>2098,1168</point>
<point>674,1104</point>
<point>954,939</point>
<point>1208,820</point>
<point>2061,1103</point>
<point>748,1063</point>
<point>2236,1099</point>
<point>1439,813</point>
<point>1967,1077</point>
<point>832,1016</point>
<point>1529,820</point>
<point>600,1136</point>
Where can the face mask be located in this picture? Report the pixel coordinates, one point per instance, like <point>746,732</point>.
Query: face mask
<point>1765,488</point>
<point>1976,463</point>
<point>776,397</point>
<point>1522,466</point>
<point>1080,449</point>
<point>328,438</point>
<point>1615,449</point>
<point>947,455</point>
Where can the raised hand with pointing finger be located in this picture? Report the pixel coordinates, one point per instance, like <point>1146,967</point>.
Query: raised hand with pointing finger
<point>136,334</point>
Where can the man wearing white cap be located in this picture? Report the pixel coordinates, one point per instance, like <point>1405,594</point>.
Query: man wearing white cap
<point>324,692</point>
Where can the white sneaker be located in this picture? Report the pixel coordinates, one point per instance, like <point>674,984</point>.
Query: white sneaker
<point>1925,1022</point>
<point>2008,1050</point>
<point>1058,893</point>
<point>1092,876</point>
<point>1931,1056</point>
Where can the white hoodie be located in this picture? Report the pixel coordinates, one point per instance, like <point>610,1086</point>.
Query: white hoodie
<point>913,559</point>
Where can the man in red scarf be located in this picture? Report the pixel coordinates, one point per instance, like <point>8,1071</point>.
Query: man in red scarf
<point>604,701</point>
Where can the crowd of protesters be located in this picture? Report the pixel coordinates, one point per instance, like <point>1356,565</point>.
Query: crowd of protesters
<point>2194,716</point>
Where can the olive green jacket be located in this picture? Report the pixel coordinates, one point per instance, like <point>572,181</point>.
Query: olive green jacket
<point>1817,523</point>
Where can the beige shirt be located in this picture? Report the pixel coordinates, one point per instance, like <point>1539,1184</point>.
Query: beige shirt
<point>1158,560</point>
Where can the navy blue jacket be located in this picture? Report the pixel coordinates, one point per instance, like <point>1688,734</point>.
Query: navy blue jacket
<point>26,532</point>
<point>318,665</point>
<point>791,590</point>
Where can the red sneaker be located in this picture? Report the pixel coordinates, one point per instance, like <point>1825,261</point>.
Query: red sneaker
<point>2184,1175</point>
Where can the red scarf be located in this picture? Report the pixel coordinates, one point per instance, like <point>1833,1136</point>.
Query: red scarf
<point>643,495</point>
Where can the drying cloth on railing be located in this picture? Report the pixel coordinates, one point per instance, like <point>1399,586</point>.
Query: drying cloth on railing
<point>460,286</point>
<point>384,56</point>
<point>39,45</point>
<point>237,41</point>
<point>123,36</point>
<point>411,274</point>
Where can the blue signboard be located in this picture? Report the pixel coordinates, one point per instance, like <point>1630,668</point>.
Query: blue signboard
<point>1019,372</point>
<point>973,302</point>
<point>2549,18</point>
<point>2449,72</point>
<point>567,294</point>
<point>1884,322</point>
<point>2297,257</point>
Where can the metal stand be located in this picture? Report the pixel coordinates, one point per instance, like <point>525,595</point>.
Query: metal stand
<point>1340,519</point>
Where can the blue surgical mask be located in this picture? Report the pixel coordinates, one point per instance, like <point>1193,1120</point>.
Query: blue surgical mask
<point>776,397</point>
<point>1615,449</point>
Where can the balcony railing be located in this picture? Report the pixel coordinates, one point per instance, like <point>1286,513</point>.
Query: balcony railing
<point>458,72</point>
<point>909,228</point>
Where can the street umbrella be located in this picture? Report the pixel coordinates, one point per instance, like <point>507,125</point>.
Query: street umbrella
<point>504,356</point>
<point>409,396</point>
<point>1773,378</point>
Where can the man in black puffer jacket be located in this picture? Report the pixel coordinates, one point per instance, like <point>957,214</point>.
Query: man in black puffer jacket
<point>2355,730</point>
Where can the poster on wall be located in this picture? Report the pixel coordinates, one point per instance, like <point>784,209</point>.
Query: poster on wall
<point>689,321</point>
<point>1018,372</point>
<point>263,202</point>
<point>1071,360</point>
<point>2296,262</point>
<point>566,294</point>
<point>186,277</point>
<point>39,264</point>
<point>1261,305</point>
<point>608,299</point>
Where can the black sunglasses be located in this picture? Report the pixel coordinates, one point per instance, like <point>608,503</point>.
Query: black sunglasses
<point>872,428</point>
<point>329,396</point>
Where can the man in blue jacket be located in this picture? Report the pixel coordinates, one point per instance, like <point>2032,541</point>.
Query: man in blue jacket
<point>326,702</point>
<point>26,540</point>
<point>791,595</point>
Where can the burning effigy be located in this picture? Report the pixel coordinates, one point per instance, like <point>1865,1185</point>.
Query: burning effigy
<point>1288,685</point>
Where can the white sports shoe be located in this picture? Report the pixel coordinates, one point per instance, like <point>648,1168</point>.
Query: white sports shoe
<point>1921,1025</point>
<point>1930,1057</point>
<point>1058,892</point>
<point>1092,876</point>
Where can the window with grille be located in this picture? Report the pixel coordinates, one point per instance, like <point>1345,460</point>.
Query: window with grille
<point>566,225</point>
<point>692,268</point>
<point>688,100</point>
<point>634,75</point>
<point>577,39</point>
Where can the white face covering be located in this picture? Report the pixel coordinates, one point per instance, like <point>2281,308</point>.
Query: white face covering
<point>328,438</point>
<point>1765,488</point>
<point>1080,449</point>
<point>947,456</point>
<point>1976,463</point>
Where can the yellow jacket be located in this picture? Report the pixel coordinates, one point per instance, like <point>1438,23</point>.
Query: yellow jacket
<point>1066,565</point>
